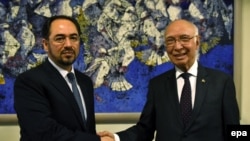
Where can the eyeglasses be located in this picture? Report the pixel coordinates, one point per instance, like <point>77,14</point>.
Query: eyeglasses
<point>183,39</point>
<point>60,39</point>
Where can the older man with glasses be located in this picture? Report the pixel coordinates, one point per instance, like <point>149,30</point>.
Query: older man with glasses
<point>189,102</point>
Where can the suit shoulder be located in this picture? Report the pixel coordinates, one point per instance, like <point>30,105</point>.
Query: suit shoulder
<point>30,72</point>
<point>164,75</point>
<point>217,73</point>
<point>83,75</point>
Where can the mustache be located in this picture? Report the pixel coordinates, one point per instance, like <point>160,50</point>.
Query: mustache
<point>68,50</point>
<point>183,51</point>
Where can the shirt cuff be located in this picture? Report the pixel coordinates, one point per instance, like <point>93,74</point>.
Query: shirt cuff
<point>116,137</point>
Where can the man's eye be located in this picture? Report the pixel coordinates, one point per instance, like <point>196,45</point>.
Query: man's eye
<point>74,38</point>
<point>185,39</point>
<point>59,39</point>
<point>170,40</point>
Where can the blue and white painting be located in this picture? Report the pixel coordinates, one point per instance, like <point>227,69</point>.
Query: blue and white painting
<point>122,43</point>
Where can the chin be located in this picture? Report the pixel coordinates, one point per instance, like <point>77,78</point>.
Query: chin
<point>180,63</point>
<point>68,61</point>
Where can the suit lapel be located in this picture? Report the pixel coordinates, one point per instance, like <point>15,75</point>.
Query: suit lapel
<point>84,94</point>
<point>61,85</point>
<point>172,90</point>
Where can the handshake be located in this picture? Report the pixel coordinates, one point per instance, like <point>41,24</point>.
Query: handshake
<point>106,136</point>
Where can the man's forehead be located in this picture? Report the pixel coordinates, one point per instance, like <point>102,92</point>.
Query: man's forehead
<point>179,32</point>
<point>179,29</point>
<point>62,22</point>
<point>63,26</point>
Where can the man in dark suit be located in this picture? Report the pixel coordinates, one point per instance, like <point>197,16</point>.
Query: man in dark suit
<point>212,101</point>
<point>43,99</point>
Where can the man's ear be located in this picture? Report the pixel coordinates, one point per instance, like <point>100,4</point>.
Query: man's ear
<point>198,41</point>
<point>45,45</point>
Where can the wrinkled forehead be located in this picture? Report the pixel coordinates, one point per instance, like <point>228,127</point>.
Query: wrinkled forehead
<point>180,27</point>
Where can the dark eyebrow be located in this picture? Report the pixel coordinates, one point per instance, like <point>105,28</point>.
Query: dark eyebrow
<point>59,35</point>
<point>74,34</point>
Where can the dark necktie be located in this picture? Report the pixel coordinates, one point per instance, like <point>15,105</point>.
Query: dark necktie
<point>185,102</point>
<point>76,93</point>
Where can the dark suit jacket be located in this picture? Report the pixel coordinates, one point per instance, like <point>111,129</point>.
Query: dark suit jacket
<point>46,108</point>
<point>215,107</point>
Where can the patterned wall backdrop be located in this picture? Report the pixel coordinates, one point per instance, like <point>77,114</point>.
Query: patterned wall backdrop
<point>123,44</point>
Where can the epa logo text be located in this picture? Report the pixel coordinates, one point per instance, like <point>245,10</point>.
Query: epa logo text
<point>238,134</point>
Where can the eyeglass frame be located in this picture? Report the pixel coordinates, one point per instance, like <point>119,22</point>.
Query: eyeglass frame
<point>185,39</point>
<point>61,38</point>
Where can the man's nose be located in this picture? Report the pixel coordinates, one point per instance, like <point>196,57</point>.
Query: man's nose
<point>178,44</point>
<point>67,42</point>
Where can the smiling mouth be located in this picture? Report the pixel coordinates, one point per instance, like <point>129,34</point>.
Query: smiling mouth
<point>180,56</point>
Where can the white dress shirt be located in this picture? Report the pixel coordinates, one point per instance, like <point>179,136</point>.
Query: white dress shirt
<point>180,81</point>
<point>64,75</point>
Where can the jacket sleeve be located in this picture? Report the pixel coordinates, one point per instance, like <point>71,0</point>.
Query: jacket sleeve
<point>145,127</point>
<point>40,113</point>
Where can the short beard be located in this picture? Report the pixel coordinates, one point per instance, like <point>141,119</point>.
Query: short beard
<point>66,62</point>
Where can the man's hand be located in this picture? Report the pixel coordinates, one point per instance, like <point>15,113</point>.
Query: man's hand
<point>106,136</point>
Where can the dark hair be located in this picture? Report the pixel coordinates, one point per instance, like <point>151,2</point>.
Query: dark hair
<point>47,24</point>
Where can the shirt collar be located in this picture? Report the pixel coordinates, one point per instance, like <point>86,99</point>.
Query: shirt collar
<point>193,70</point>
<point>60,70</point>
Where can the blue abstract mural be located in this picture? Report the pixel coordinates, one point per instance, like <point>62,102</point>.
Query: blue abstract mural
<point>123,45</point>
